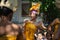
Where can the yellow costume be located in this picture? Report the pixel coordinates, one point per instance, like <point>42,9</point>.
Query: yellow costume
<point>29,31</point>
<point>9,37</point>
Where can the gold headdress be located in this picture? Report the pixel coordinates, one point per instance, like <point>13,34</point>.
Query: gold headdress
<point>35,6</point>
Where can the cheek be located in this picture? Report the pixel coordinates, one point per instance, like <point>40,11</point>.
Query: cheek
<point>32,15</point>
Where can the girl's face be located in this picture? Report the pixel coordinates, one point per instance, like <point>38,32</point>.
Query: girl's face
<point>33,16</point>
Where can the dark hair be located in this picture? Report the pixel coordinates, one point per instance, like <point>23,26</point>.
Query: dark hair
<point>4,11</point>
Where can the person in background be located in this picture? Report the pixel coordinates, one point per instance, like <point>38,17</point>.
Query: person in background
<point>56,25</point>
<point>8,30</point>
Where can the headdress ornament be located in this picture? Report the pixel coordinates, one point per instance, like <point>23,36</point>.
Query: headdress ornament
<point>8,4</point>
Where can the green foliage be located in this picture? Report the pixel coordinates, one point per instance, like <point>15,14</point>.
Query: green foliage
<point>48,6</point>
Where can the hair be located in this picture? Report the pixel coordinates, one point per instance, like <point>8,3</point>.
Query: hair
<point>4,11</point>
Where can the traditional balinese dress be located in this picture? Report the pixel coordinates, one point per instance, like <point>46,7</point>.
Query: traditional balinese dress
<point>29,30</point>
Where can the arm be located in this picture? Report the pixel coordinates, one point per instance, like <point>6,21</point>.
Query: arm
<point>56,21</point>
<point>19,30</point>
<point>41,25</point>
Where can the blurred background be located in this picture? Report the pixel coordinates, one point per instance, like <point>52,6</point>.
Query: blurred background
<point>49,10</point>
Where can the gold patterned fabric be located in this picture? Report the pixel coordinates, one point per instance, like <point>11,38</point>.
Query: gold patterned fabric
<point>9,37</point>
<point>29,31</point>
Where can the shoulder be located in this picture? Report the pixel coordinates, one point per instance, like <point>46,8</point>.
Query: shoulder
<point>16,26</point>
